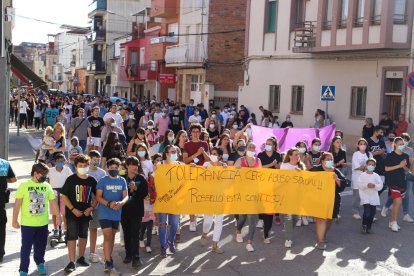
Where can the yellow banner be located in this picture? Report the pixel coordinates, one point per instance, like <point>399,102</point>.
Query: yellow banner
<point>183,189</point>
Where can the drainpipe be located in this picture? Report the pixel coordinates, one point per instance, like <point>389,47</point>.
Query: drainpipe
<point>411,68</point>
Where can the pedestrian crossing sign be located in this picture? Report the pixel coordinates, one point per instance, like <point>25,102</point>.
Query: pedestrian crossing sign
<point>328,93</point>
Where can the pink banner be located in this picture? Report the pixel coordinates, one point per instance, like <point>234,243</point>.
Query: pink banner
<point>288,137</point>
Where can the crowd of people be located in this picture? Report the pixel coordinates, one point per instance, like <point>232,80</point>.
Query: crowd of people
<point>103,177</point>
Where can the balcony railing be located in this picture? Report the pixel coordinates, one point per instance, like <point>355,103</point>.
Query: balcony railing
<point>98,36</point>
<point>137,72</point>
<point>164,39</point>
<point>305,37</point>
<point>96,6</point>
<point>185,53</point>
<point>96,67</point>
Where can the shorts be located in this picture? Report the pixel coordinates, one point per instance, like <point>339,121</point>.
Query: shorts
<point>77,228</point>
<point>106,223</point>
<point>95,141</point>
<point>397,192</point>
<point>94,223</point>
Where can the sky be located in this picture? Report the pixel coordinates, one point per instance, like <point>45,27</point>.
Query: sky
<point>70,12</point>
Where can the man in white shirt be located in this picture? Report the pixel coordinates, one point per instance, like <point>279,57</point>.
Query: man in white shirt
<point>157,113</point>
<point>57,177</point>
<point>225,114</point>
<point>195,118</point>
<point>116,116</point>
<point>23,107</point>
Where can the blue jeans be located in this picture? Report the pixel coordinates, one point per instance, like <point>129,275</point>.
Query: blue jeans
<point>173,221</point>
<point>406,199</point>
<point>82,144</point>
<point>35,237</point>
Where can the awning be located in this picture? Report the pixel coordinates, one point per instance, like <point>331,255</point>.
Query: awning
<point>26,75</point>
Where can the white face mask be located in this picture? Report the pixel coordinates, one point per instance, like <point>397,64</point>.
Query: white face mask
<point>268,148</point>
<point>362,147</point>
<point>146,113</point>
<point>316,148</point>
<point>170,138</point>
<point>150,127</point>
<point>250,153</point>
<point>212,125</point>
<point>214,158</point>
<point>131,117</point>
<point>113,125</point>
<point>82,171</point>
<point>302,150</point>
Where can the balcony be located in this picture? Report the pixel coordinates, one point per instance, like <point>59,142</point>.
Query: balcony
<point>164,8</point>
<point>97,7</point>
<point>98,37</point>
<point>304,37</point>
<point>95,67</point>
<point>188,55</point>
<point>136,72</point>
<point>158,46</point>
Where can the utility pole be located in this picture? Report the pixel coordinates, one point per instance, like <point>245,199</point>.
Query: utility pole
<point>4,88</point>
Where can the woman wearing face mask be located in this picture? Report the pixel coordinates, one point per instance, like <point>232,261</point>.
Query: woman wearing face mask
<point>144,159</point>
<point>170,156</point>
<point>130,126</point>
<point>180,141</point>
<point>61,118</point>
<point>248,161</point>
<point>304,156</point>
<point>324,225</point>
<point>397,163</point>
<point>112,149</point>
<point>231,119</point>
<point>224,144</point>
<point>240,152</point>
<point>291,162</point>
<point>315,154</point>
<point>359,159</point>
<point>139,138</point>
<point>215,160</point>
<point>338,153</point>
<point>271,159</point>
<point>150,134</point>
<point>110,126</point>
<point>143,122</point>
<point>389,143</point>
<point>213,130</point>
<point>168,140</point>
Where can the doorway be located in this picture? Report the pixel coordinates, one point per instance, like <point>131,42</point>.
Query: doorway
<point>393,103</point>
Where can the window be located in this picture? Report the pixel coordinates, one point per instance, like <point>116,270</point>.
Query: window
<point>196,81</point>
<point>274,98</point>
<point>300,13</point>
<point>297,99</point>
<point>376,12</point>
<point>271,16</point>
<point>344,13</point>
<point>358,101</point>
<point>327,24</point>
<point>399,12</point>
<point>359,18</point>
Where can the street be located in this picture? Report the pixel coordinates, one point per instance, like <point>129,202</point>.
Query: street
<point>348,251</point>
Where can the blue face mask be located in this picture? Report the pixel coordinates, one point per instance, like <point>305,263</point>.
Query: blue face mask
<point>113,173</point>
<point>60,164</point>
<point>141,154</point>
<point>401,147</point>
<point>371,168</point>
<point>329,164</point>
<point>174,157</point>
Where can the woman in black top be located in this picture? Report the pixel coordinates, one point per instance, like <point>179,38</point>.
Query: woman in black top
<point>323,225</point>
<point>270,158</point>
<point>368,129</point>
<point>396,165</point>
<point>338,153</point>
<point>112,149</point>
<point>139,138</point>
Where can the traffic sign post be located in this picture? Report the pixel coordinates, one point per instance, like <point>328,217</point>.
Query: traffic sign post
<point>409,80</point>
<point>328,93</point>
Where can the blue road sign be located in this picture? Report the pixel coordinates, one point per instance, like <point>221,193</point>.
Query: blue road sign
<point>328,93</point>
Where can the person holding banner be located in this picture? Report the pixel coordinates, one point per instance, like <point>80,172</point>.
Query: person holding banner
<point>248,161</point>
<point>216,155</point>
<point>239,153</point>
<point>315,154</point>
<point>271,159</point>
<point>323,226</point>
<point>291,162</point>
<point>226,146</point>
<point>169,156</point>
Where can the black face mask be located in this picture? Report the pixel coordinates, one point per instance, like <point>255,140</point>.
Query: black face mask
<point>379,136</point>
<point>41,179</point>
<point>241,148</point>
<point>391,139</point>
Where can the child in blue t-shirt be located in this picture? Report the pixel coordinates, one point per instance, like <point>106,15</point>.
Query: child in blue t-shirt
<point>112,194</point>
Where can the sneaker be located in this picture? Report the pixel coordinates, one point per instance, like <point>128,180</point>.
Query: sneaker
<point>193,226</point>
<point>390,225</point>
<point>22,273</point>
<point>148,249</point>
<point>374,220</point>
<point>136,262</point>
<point>407,218</point>
<point>249,247</point>
<point>55,233</point>
<point>320,246</point>
<point>177,238</point>
<point>299,223</point>
<point>163,253</point>
<point>109,265</point>
<point>41,269</point>
<point>288,243</point>
<point>217,250</point>
<point>239,238</point>
<point>260,223</point>
<point>384,211</point>
<point>363,229</point>
<point>278,221</point>
<point>172,247</point>
<point>141,244</point>
<point>81,262</point>
<point>155,230</point>
<point>394,226</point>
<point>356,216</point>
<point>128,259</point>
<point>203,241</point>
<point>70,267</point>
<point>266,240</point>
<point>305,221</point>
<point>93,258</point>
